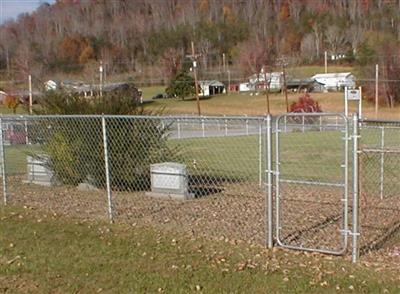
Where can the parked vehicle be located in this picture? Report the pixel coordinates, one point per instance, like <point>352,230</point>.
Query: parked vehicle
<point>159,96</point>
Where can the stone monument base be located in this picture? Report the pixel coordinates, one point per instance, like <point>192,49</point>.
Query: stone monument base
<point>187,196</point>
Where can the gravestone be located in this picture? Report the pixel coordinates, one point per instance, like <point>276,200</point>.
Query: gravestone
<point>169,180</point>
<point>38,173</point>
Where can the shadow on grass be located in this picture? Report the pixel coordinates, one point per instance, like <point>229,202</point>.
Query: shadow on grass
<point>205,185</point>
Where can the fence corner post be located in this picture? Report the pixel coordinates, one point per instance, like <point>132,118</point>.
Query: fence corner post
<point>355,233</point>
<point>269,181</point>
<point>3,163</point>
<point>107,170</point>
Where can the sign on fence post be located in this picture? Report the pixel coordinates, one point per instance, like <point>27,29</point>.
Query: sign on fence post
<point>352,95</point>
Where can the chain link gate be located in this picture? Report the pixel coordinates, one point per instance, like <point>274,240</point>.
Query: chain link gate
<point>311,182</point>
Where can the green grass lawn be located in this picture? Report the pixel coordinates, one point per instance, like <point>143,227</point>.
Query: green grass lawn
<point>47,253</point>
<point>16,157</point>
<point>149,92</point>
<point>310,70</point>
<point>311,155</point>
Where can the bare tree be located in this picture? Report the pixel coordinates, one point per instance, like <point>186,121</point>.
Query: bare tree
<point>335,38</point>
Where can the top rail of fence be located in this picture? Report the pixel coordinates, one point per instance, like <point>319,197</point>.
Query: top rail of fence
<point>132,116</point>
<point>380,121</point>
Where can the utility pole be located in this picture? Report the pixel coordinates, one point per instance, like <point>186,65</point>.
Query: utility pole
<point>284,83</point>
<point>223,62</point>
<point>30,94</point>
<point>326,62</point>
<point>194,58</point>
<point>101,78</point>
<point>266,89</point>
<point>229,81</point>
<point>376,90</point>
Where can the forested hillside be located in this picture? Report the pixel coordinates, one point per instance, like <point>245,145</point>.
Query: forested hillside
<point>243,35</point>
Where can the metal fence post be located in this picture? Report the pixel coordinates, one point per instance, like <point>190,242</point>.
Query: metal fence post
<point>382,159</point>
<point>203,127</point>
<point>320,123</point>
<point>26,132</point>
<point>3,163</point>
<point>285,127</point>
<point>226,127</point>
<point>179,128</point>
<point>355,232</point>
<point>269,182</point>
<point>107,170</point>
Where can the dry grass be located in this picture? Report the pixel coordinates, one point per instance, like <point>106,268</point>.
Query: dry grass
<point>245,104</point>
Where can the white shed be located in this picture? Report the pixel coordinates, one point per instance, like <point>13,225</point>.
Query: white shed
<point>51,85</point>
<point>211,87</point>
<point>336,81</point>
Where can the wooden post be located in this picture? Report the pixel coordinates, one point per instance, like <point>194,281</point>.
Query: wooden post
<point>101,77</point>
<point>376,90</point>
<point>284,85</point>
<point>195,80</point>
<point>266,90</point>
<point>30,94</point>
<point>223,62</point>
<point>229,82</point>
<point>326,62</point>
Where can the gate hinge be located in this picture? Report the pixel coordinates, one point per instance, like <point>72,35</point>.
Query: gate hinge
<point>272,172</point>
<point>349,232</point>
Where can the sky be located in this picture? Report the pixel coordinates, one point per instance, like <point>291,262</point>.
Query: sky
<point>12,8</point>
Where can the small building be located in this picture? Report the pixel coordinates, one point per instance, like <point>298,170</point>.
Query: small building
<point>234,87</point>
<point>51,85</point>
<point>335,81</point>
<point>274,79</point>
<point>246,87</point>
<point>211,87</point>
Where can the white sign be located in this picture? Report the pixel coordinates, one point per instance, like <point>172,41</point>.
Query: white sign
<point>353,94</point>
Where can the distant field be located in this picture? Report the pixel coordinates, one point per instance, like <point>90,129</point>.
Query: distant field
<point>246,104</point>
<point>310,70</point>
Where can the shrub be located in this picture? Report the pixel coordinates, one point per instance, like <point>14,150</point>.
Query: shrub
<point>75,145</point>
<point>305,104</point>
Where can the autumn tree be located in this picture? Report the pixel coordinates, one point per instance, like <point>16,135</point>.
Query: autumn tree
<point>11,102</point>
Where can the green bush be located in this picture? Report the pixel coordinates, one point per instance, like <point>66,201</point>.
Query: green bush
<point>75,144</point>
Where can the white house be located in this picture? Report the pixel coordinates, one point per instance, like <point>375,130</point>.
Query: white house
<point>275,80</point>
<point>246,87</point>
<point>336,81</point>
<point>209,88</point>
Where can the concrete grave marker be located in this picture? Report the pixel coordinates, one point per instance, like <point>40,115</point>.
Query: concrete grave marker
<point>169,180</point>
<point>38,173</point>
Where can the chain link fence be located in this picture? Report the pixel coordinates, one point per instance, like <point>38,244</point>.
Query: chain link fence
<point>94,166</point>
<point>379,183</point>
<point>247,179</point>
